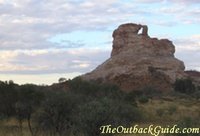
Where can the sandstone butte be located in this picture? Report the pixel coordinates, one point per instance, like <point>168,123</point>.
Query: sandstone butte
<point>138,61</point>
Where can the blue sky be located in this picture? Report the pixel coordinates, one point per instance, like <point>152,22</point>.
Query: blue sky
<point>43,40</point>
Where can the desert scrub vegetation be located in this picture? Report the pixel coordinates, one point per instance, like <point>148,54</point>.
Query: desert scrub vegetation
<point>80,108</point>
<point>30,110</point>
<point>184,86</point>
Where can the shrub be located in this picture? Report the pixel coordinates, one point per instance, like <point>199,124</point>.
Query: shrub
<point>8,98</point>
<point>28,102</point>
<point>184,86</point>
<point>188,122</point>
<point>143,99</point>
<point>172,109</point>
<point>143,95</point>
<point>196,94</point>
<point>82,109</point>
<point>92,89</point>
<point>148,91</point>
<point>55,116</point>
<point>105,111</point>
<point>160,112</point>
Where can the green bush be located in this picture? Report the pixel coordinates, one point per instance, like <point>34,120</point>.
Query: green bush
<point>196,94</point>
<point>188,122</point>
<point>8,98</point>
<point>184,86</point>
<point>148,91</point>
<point>28,102</point>
<point>143,95</point>
<point>104,111</point>
<point>55,115</point>
<point>94,90</point>
<point>143,99</point>
<point>172,109</point>
<point>78,110</point>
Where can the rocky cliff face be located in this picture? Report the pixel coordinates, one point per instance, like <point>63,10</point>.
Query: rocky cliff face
<point>138,61</point>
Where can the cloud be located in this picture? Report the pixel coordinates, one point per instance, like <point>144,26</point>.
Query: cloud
<point>29,24</point>
<point>179,11</point>
<point>170,1</point>
<point>149,1</point>
<point>52,61</point>
<point>27,27</point>
<point>187,49</point>
<point>188,44</point>
<point>184,1</point>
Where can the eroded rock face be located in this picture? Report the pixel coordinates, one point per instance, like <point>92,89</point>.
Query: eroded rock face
<point>138,61</point>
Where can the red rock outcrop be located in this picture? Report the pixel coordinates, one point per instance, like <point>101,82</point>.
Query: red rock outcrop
<point>194,75</point>
<point>138,61</point>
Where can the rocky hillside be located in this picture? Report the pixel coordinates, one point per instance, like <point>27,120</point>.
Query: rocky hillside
<point>194,75</point>
<point>138,61</point>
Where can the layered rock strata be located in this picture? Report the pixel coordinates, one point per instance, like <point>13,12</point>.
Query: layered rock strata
<point>138,61</point>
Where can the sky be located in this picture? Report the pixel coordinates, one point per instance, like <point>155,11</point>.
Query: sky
<point>43,40</point>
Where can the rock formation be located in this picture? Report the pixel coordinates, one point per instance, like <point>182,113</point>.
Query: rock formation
<point>194,76</point>
<point>138,61</point>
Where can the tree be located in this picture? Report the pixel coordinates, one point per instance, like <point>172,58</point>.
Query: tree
<point>62,79</point>
<point>55,116</point>
<point>184,86</point>
<point>94,90</point>
<point>8,93</point>
<point>27,103</point>
<point>99,112</point>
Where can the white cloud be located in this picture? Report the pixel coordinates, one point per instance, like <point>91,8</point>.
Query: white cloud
<point>170,1</point>
<point>149,1</point>
<point>185,1</point>
<point>27,25</point>
<point>188,50</point>
<point>2,1</point>
<point>188,44</point>
<point>52,61</point>
<point>171,10</point>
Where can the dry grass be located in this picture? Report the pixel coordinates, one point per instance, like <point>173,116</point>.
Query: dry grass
<point>180,108</point>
